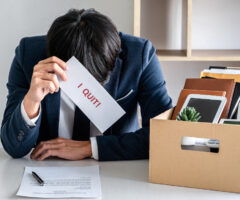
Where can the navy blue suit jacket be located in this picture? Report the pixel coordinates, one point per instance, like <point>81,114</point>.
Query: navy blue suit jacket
<point>137,68</point>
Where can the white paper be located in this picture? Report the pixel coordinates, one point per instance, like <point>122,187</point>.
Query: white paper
<point>62,182</point>
<point>90,96</point>
<point>222,71</point>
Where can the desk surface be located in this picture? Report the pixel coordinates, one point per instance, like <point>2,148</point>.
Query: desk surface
<point>121,180</point>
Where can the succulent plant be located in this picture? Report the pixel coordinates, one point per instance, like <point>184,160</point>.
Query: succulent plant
<point>189,114</point>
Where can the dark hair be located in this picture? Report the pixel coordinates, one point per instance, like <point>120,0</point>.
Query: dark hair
<point>89,36</point>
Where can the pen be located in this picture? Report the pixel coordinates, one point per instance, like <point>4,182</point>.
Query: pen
<point>38,179</point>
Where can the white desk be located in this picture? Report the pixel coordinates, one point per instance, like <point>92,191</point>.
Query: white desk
<point>122,180</point>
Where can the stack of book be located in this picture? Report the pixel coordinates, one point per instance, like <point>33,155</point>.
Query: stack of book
<point>211,88</point>
<point>220,72</point>
<point>215,96</point>
<point>215,81</point>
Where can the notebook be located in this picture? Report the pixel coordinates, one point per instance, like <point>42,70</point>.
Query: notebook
<point>227,85</point>
<point>221,74</point>
<point>184,94</point>
<point>235,102</point>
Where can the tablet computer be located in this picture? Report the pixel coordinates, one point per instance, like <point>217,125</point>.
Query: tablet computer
<point>230,121</point>
<point>210,107</point>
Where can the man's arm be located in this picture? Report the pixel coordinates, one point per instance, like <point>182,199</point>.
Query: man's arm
<point>153,100</point>
<point>17,136</point>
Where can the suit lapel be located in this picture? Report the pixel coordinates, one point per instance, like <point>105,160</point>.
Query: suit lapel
<point>113,84</point>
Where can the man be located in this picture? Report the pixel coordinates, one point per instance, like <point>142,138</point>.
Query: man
<point>38,114</point>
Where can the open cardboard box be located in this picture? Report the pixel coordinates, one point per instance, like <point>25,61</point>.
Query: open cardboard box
<point>170,164</point>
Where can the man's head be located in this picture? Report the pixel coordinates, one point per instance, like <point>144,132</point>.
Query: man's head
<point>89,36</point>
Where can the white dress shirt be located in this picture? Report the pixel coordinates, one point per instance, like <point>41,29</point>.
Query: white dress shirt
<point>66,120</point>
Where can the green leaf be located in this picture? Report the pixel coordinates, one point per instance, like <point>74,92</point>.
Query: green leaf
<point>189,114</point>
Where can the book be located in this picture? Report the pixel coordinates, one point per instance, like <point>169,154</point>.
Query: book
<point>184,94</point>
<point>227,85</point>
<point>221,74</point>
<point>238,113</point>
<point>230,121</point>
<point>235,102</point>
<point>224,67</point>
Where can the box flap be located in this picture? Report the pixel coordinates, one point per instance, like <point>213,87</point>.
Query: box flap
<point>165,115</point>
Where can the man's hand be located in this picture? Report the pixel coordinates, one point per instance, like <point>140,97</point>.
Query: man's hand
<point>44,81</point>
<point>62,148</point>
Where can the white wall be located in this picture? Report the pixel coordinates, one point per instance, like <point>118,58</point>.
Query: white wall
<point>216,27</point>
<point>215,23</point>
<point>20,18</point>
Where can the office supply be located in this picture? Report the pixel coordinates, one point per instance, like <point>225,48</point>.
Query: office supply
<point>235,102</point>
<point>62,182</point>
<point>234,109</point>
<point>210,107</point>
<point>223,71</point>
<point>238,112</point>
<point>37,178</point>
<point>185,92</point>
<point>202,142</point>
<point>89,95</point>
<point>221,74</point>
<point>212,143</point>
<point>223,67</point>
<point>230,121</point>
<point>235,99</point>
<point>171,165</point>
<point>227,85</point>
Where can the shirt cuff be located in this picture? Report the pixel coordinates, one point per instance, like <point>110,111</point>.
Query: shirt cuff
<point>94,147</point>
<point>30,122</point>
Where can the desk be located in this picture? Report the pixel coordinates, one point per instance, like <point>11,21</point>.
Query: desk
<point>121,180</point>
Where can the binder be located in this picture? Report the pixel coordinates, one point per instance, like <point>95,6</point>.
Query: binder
<point>227,85</point>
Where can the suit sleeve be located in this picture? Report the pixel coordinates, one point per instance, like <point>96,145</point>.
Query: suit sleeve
<point>153,99</point>
<point>17,137</point>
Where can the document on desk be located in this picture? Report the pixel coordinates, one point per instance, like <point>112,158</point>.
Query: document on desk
<point>90,96</point>
<point>62,182</point>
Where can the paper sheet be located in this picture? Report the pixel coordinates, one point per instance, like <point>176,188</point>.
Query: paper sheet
<point>222,71</point>
<point>62,182</point>
<point>90,96</point>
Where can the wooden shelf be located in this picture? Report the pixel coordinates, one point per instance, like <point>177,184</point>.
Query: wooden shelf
<point>199,55</point>
<point>189,54</point>
<point>216,55</point>
<point>174,55</point>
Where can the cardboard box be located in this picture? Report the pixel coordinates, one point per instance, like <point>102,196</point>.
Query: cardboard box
<point>171,165</point>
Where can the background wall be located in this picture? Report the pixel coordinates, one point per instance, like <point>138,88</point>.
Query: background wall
<point>164,26</point>
<point>21,18</point>
<point>215,25</point>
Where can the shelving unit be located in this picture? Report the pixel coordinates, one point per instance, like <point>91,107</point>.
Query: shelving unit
<point>187,54</point>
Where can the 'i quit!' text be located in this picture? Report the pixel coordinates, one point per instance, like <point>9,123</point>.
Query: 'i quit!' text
<point>90,96</point>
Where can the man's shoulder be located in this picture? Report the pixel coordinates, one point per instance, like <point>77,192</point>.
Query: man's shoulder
<point>136,49</point>
<point>132,42</point>
<point>32,40</point>
<point>34,43</point>
<point>126,38</point>
<point>33,48</point>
